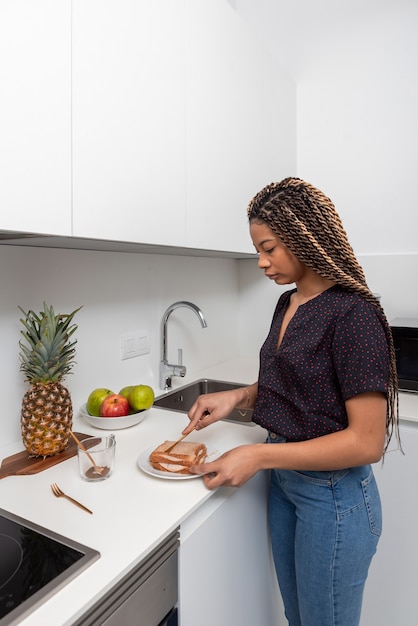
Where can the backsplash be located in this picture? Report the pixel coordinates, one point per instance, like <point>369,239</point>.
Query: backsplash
<point>119,293</point>
<point>124,292</point>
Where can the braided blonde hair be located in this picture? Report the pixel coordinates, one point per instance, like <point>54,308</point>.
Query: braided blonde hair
<point>308,224</point>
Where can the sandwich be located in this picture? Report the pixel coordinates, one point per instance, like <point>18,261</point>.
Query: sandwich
<point>180,458</point>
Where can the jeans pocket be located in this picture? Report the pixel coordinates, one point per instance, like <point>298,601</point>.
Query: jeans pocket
<point>372,502</point>
<point>326,478</point>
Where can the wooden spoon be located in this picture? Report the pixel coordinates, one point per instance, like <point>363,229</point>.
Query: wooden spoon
<point>97,468</point>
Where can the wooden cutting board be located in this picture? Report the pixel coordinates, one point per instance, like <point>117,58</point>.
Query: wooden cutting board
<point>22,463</point>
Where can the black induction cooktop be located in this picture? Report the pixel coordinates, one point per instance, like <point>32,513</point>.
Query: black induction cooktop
<point>34,564</point>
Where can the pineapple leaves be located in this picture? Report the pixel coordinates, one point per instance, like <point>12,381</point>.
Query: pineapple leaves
<point>48,354</point>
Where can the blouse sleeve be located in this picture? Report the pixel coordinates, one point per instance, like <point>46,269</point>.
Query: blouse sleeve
<point>361,352</point>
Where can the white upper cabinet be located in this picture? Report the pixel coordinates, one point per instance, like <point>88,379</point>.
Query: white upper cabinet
<point>151,122</point>
<point>35,120</point>
<point>129,120</point>
<point>241,125</point>
<point>179,117</point>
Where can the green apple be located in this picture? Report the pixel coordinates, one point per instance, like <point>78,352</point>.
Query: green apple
<point>95,400</point>
<point>141,397</point>
<point>125,391</point>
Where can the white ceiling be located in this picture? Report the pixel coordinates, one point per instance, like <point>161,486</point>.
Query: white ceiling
<point>300,32</point>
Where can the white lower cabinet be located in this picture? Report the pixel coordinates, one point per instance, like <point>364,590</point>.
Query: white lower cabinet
<point>226,575</point>
<point>226,572</point>
<point>391,591</point>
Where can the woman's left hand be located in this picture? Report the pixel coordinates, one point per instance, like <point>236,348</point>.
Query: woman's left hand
<point>232,469</point>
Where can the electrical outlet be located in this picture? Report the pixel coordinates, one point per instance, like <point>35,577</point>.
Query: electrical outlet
<point>134,344</point>
<point>143,344</point>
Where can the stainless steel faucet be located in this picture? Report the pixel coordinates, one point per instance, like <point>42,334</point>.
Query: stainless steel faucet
<point>168,370</point>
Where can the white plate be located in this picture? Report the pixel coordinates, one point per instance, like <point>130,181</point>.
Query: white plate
<point>112,423</point>
<point>145,465</point>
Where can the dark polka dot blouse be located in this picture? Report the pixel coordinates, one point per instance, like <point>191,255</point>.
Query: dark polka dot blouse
<point>334,348</point>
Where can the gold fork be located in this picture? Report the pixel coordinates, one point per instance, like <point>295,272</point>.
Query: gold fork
<point>60,494</point>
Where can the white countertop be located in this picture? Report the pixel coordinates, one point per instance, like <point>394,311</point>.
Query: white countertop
<point>133,511</point>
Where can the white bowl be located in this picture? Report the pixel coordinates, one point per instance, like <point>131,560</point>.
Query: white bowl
<point>112,423</point>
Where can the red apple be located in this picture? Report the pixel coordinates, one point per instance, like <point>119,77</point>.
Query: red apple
<point>114,405</point>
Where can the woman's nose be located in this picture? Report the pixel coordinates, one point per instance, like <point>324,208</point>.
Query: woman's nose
<point>262,261</point>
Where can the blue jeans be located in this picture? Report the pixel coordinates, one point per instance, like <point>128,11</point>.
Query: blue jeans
<point>324,529</point>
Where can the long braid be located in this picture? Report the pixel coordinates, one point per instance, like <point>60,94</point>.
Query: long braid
<point>306,221</point>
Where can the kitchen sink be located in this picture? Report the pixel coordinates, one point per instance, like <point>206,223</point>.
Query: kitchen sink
<point>183,398</point>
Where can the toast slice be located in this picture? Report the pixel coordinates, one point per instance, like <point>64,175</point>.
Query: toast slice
<point>180,458</point>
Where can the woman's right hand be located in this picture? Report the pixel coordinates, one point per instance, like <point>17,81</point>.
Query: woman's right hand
<point>211,407</point>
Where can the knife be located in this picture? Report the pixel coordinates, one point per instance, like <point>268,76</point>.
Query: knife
<point>178,441</point>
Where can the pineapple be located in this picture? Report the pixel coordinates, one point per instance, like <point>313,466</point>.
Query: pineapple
<point>48,356</point>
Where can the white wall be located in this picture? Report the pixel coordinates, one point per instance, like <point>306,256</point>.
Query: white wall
<point>358,129</point>
<point>356,67</point>
<point>393,276</point>
<point>120,292</point>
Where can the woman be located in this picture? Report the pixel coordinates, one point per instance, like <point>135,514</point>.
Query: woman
<point>326,394</point>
